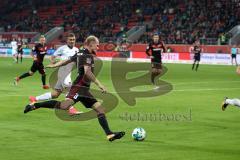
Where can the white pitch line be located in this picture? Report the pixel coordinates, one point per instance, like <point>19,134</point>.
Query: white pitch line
<point>207,89</point>
<point>174,90</point>
<point>205,82</point>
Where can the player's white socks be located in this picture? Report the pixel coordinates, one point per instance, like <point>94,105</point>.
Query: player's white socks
<point>234,102</point>
<point>45,96</point>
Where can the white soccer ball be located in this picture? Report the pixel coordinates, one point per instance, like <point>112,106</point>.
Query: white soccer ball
<point>139,134</point>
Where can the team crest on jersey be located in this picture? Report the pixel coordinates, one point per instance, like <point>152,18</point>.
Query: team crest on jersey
<point>79,54</point>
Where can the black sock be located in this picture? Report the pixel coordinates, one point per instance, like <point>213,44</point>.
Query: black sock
<point>193,66</point>
<point>17,59</point>
<point>104,124</point>
<point>197,66</point>
<point>24,75</point>
<point>48,104</point>
<point>44,79</point>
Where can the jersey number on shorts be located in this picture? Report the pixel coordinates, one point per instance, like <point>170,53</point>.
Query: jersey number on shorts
<point>76,96</point>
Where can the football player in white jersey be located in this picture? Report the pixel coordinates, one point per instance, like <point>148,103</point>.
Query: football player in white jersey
<point>64,81</point>
<point>233,102</point>
<point>14,49</point>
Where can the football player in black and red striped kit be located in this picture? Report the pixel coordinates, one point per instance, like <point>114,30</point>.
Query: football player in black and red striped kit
<point>80,90</point>
<point>40,50</point>
<point>154,51</point>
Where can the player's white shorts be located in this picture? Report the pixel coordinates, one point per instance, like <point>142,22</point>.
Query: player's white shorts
<point>64,84</point>
<point>14,51</point>
<point>64,81</point>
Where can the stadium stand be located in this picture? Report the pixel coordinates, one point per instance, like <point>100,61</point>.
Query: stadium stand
<point>178,22</point>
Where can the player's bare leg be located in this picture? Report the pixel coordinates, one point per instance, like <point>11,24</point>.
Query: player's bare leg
<point>111,136</point>
<point>15,58</point>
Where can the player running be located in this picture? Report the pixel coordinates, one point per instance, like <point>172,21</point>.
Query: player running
<point>154,51</point>
<point>14,49</point>
<point>40,50</point>
<point>64,81</point>
<point>234,52</point>
<point>233,102</point>
<point>197,55</point>
<point>19,50</point>
<point>79,91</point>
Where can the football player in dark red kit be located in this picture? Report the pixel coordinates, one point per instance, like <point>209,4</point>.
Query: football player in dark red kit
<point>40,51</point>
<point>19,50</point>
<point>154,51</point>
<point>197,55</point>
<point>80,90</point>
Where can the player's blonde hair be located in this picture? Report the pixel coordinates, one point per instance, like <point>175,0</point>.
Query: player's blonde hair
<point>90,39</point>
<point>42,36</point>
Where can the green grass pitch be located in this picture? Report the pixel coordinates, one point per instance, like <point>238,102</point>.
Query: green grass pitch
<point>209,133</point>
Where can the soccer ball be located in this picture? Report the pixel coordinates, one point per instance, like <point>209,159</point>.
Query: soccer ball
<point>139,134</point>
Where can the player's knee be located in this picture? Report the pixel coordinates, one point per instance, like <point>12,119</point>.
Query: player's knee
<point>99,108</point>
<point>154,71</point>
<point>100,111</point>
<point>31,73</point>
<point>55,94</point>
<point>66,104</point>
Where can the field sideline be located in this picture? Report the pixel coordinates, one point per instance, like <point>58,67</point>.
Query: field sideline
<point>209,134</point>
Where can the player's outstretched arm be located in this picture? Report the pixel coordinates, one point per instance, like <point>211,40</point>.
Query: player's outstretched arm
<point>164,47</point>
<point>57,53</point>
<point>148,50</point>
<point>90,76</point>
<point>31,54</point>
<point>58,64</point>
<point>53,59</point>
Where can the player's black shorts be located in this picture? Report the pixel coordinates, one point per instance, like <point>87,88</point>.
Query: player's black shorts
<point>79,93</point>
<point>233,55</point>
<point>197,58</point>
<point>157,65</point>
<point>36,66</point>
<point>20,52</point>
